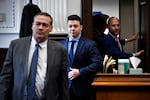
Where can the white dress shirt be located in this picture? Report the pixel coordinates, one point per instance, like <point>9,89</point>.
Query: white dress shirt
<point>41,66</point>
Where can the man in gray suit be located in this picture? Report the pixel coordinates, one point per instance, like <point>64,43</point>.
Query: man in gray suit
<point>51,77</point>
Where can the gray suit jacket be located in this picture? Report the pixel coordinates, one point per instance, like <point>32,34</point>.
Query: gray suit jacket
<point>13,78</point>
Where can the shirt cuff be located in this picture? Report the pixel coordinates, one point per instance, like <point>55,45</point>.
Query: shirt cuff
<point>126,40</point>
<point>133,54</point>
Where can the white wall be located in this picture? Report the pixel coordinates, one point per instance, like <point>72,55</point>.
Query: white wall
<point>109,7</point>
<point>74,7</point>
<point>7,32</point>
<point>6,38</point>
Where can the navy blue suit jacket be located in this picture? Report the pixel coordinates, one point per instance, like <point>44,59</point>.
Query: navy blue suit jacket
<point>109,46</point>
<point>88,60</point>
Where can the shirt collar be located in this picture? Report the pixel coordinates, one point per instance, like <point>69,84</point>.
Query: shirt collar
<point>42,44</point>
<point>75,39</point>
<point>115,37</point>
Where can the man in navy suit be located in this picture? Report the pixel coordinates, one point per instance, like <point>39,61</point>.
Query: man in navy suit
<point>110,44</point>
<point>51,78</point>
<point>86,62</point>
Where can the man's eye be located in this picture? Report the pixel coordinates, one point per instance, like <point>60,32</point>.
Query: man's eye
<point>43,24</point>
<point>37,23</point>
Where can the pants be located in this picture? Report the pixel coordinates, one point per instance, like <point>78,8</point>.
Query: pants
<point>75,97</point>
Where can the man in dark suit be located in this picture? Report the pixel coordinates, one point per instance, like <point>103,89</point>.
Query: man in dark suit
<point>51,78</point>
<point>100,30</point>
<point>110,44</point>
<point>99,27</point>
<point>86,61</point>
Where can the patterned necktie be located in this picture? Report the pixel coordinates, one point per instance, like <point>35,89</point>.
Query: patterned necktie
<point>32,75</point>
<point>71,55</point>
<point>119,45</point>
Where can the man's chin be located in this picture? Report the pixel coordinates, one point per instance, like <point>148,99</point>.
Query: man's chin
<point>116,34</point>
<point>40,38</point>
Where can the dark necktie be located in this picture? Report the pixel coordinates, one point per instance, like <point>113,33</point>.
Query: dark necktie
<point>32,74</point>
<point>71,55</point>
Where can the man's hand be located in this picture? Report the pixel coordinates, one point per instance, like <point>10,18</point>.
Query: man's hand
<point>133,37</point>
<point>73,73</point>
<point>138,53</point>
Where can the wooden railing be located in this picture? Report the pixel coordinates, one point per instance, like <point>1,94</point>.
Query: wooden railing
<point>122,86</point>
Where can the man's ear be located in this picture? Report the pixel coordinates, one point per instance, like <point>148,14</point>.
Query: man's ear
<point>81,27</point>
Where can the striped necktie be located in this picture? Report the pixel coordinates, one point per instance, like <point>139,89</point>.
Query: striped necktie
<point>118,42</point>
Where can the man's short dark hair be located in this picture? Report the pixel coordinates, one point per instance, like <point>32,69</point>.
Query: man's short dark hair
<point>45,14</point>
<point>100,19</point>
<point>75,17</point>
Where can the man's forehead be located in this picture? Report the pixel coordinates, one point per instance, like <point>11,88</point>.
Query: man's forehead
<point>42,19</point>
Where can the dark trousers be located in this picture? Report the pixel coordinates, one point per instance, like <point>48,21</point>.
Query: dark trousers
<point>73,96</point>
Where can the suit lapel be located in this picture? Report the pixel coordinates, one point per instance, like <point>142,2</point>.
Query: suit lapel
<point>27,46</point>
<point>69,61</point>
<point>66,43</point>
<point>51,53</point>
<point>79,47</point>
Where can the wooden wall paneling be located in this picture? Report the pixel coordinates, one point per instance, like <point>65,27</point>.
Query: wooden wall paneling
<point>87,18</point>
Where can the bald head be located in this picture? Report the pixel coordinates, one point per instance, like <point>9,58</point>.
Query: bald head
<point>114,25</point>
<point>113,19</point>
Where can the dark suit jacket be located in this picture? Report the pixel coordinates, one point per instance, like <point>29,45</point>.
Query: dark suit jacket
<point>13,78</point>
<point>109,46</point>
<point>88,60</point>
